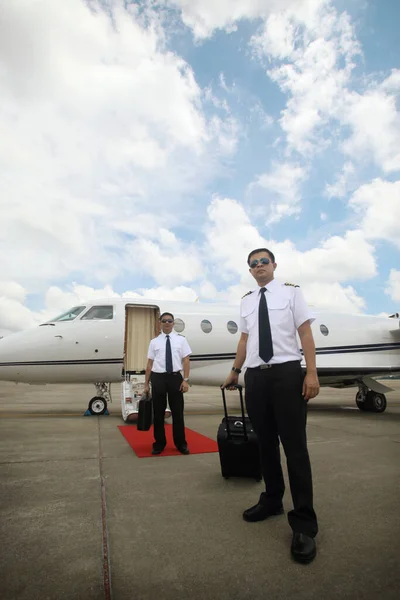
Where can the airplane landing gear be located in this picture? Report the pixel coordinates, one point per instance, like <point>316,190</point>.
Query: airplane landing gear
<point>376,402</point>
<point>370,401</point>
<point>361,398</point>
<point>98,404</point>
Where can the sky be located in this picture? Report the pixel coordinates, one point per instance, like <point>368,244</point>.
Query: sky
<point>147,147</point>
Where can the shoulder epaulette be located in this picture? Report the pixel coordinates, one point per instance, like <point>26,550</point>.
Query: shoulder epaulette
<point>292,284</point>
<point>247,294</point>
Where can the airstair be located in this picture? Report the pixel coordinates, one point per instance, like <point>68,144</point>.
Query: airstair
<point>131,392</point>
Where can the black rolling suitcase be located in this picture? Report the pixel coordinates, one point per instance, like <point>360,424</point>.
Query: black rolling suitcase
<point>237,445</point>
<point>145,413</point>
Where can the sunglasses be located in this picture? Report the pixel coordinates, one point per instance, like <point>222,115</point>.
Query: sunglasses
<point>167,321</point>
<point>262,261</point>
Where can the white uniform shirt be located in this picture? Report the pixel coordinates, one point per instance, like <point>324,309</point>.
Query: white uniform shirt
<point>179,349</point>
<point>287,310</point>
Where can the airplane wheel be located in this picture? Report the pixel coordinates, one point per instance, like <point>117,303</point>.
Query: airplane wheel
<point>376,402</point>
<point>97,405</point>
<point>362,404</point>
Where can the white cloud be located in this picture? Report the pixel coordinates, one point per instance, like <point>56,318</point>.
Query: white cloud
<point>229,237</point>
<point>375,123</point>
<point>378,205</point>
<point>232,236</point>
<point>316,48</point>
<point>15,316</point>
<point>338,258</point>
<point>169,261</point>
<point>208,290</point>
<point>60,299</point>
<point>313,51</point>
<point>203,17</point>
<point>180,293</point>
<point>392,83</point>
<point>393,285</point>
<point>321,271</point>
<point>309,49</point>
<point>12,291</point>
<point>100,123</point>
<point>282,187</point>
<point>263,118</point>
<point>334,297</point>
<point>108,141</point>
<point>342,183</point>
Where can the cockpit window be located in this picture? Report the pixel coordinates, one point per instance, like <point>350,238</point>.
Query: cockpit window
<point>99,312</point>
<point>71,314</point>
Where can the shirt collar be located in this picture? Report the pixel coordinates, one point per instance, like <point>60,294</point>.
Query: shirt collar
<point>269,287</point>
<point>165,334</point>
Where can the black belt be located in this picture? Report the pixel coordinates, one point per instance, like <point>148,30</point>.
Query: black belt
<point>165,373</point>
<point>273,366</point>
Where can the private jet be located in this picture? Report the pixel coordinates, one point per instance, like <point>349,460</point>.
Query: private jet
<point>105,342</point>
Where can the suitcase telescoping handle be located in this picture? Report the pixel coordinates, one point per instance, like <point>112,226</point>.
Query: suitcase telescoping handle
<point>240,388</point>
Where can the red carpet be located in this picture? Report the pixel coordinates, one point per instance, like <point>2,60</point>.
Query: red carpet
<point>141,442</point>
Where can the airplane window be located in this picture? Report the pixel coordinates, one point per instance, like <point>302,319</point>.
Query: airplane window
<point>179,325</point>
<point>98,312</point>
<point>232,327</point>
<point>324,330</point>
<point>70,315</point>
<point>206,326</point>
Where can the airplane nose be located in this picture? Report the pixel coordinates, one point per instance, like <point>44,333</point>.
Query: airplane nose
<point>17,352</point>
<point>24,355</point>
<point>6,371</point>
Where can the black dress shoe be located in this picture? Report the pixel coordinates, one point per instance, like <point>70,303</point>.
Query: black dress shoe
<point>184,450</point>
<point>259,512</point>
<point>157,450</point>
<point>303,548</point>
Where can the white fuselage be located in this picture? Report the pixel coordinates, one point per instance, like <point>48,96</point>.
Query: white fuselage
<point>90,351</point>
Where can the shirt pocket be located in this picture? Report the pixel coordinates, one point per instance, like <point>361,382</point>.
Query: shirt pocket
<point>278,310</point>
<point>249,314</point>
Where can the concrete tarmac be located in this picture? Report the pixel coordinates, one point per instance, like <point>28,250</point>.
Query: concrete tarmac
<point>81,517</point>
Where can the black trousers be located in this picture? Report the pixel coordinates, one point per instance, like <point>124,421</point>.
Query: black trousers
<point>278,413</point>
<point>163,385</point>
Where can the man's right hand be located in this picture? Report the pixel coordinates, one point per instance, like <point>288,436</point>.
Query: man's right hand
<point>146,389</point>
<point>231,381</point>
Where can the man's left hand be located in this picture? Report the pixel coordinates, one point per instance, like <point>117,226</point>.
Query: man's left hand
<point>310,386</point>
<point>184,386</point>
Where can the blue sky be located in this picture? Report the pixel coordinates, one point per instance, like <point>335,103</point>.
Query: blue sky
<point>151,156</point>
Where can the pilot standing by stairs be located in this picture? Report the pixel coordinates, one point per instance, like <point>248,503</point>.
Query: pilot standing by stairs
<point>168,355</point>
<point>277,394</point>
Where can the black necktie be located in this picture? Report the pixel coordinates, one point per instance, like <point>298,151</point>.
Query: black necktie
<point>265,350</point>
<point>168,356</point>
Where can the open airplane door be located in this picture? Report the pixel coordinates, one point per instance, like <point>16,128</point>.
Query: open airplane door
<point>141,325</point>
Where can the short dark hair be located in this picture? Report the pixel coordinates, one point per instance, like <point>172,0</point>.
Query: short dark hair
<point>169,314</point>
<point>272,257</point>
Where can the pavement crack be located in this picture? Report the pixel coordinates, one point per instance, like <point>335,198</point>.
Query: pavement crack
<point>49,460</point>
<point>105,538</point>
